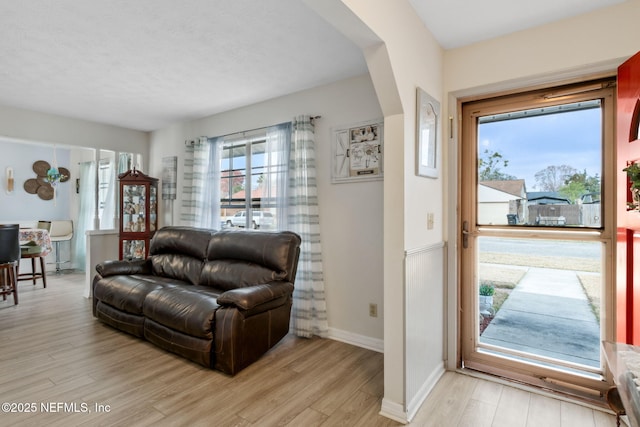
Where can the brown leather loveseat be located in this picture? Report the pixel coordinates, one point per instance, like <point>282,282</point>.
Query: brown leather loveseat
<point>219,298</point>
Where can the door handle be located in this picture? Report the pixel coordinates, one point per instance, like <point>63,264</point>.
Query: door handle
<point>465,234</point>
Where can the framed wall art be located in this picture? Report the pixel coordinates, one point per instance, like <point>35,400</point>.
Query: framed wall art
<point>357,152</point>
<point>427,118</point>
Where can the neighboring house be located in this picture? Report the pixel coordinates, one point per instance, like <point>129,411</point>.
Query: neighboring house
<point>498,199</point>
<point>551,208</point>
<point>546,198</point>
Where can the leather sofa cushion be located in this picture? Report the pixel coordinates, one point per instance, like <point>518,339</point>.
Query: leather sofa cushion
<point>186,309</point>
<point>127,293</point>
<point>177,266</point>
<point>196,349</point>
<point>131,323</point>
<point>189,241</point>
<point>233,274</point>
<point>277,251</point>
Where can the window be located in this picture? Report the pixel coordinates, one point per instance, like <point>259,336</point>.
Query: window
<point>252,178</point>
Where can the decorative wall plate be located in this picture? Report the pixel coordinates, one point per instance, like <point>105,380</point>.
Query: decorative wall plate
<point>41,167</point>
<point>65,173</point>
<point>45,192</point>
<point>31,186</point>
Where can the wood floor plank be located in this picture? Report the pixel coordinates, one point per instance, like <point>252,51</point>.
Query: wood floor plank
<point>477,414</point>
<point>308,418</point>
<point>576,415</point>
<point>513,408</point>
<point>447,401</point>
<point>543,412</point>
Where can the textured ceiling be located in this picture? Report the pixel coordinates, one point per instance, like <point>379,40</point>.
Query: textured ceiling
<point>144,64</point>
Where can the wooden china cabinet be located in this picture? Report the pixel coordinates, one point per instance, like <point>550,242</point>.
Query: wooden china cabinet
<point>138,213</point>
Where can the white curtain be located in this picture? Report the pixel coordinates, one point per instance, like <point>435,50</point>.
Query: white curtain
<point>109,210</point>
<point>276,183</point>
<point>124,161</point>
<point>309,313</point>
<point>201,189</point>
<point>87,179</point>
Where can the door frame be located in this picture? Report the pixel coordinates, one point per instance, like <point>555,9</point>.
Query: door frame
<point>453,354</point>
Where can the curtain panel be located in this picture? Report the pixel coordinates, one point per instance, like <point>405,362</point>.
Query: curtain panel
<point>201,188</point>
<point>309,313</point>
<point>87,198</point>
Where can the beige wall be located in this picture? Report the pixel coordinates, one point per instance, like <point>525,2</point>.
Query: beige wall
<point>591,41</point>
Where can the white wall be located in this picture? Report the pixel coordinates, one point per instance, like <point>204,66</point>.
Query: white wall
<point>350,214</point>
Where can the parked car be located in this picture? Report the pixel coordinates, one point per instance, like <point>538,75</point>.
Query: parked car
<point>259,219</point>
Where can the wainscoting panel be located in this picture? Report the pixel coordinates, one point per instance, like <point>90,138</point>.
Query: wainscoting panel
<point>425,317</point>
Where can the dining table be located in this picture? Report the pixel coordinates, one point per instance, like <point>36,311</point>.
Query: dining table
<point>40,236</point>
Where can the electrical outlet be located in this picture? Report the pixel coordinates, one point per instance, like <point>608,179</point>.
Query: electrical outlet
<point>373,310</point>
<point>430,221</point>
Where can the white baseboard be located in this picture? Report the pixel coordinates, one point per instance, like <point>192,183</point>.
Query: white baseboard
<point>357,340</point>
<point>394,411</point>
<point>423,393</point>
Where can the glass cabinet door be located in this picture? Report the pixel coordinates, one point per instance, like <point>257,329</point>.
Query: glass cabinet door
<point>153,211</point>
<point>133,209</point>
<point>133,249</point>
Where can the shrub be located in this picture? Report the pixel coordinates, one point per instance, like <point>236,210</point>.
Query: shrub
<point>487,290</point>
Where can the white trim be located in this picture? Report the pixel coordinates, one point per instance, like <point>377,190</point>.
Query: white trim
<point>394,411</point>
<point>425,390</point>
<point>358,340</point>
<point>425,248</point>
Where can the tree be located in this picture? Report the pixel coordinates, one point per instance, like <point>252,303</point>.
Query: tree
<point>489,165</point>
<point>591,183</point>
<point>578,184</point>
<point>236,182</point>
<point>552,178</point>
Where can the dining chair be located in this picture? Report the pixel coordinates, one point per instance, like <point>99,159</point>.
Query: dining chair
<point>9,259</point>
<point>44,225</point>
<point>61,231</point>
<point>34,275</point>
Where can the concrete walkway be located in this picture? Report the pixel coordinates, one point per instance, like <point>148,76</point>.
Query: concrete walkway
<point>548,314</point>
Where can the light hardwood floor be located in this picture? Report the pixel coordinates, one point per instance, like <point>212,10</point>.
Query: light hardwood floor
<point>56,357</point>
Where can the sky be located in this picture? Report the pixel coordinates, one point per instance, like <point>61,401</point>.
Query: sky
<point>531,144</point>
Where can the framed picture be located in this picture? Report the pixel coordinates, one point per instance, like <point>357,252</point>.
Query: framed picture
<point>357,152</point>
<point>427,118</point>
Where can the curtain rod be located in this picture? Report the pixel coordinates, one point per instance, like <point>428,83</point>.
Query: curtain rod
<point>244,132</point>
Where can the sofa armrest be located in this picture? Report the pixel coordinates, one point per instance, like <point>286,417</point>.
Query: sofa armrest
<point>124,267</point>
<point>252,296</point>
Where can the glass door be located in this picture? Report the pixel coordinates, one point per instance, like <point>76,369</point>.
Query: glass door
<point>536,235</point>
